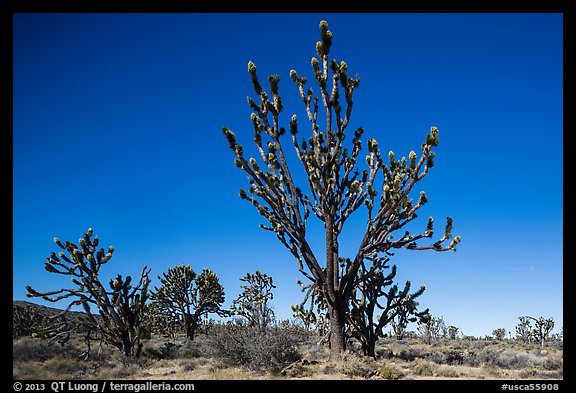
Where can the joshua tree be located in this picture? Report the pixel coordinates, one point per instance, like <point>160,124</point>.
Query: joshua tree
<point>499,334</point>
<point>431,328</point>
<point>524,330</point>
<point>537,333</point>
<point>162,321</point>
<point>27,321</point>
<point>452,332</point>
<point>373,308</point>
<point>338,186</point>
<point>121,308</point>
<point>252,303</point>
<point>313,311</point>
<point>188,297</point>
<point>406,312</point>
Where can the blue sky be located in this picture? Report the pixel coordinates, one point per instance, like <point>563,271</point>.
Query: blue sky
<point>117,126</point>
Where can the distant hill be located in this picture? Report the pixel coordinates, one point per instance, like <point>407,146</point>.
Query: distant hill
<point>47,311</point>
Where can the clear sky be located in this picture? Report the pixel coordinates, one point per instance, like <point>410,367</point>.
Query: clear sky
<point>117,127</point>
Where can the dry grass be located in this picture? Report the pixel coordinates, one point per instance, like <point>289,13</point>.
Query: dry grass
<point>164,359</point>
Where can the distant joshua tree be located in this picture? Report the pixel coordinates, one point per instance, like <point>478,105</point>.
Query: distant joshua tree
<point>185,297</point>
<point>537,333</point>
<point>27,321</point>
<point>406,312</point>
<point>338,186</point>
<point>432,329</point>
<point>252,303</point>
<point>499,334</point>
<point>120,308</point>
<point>374,306</point>
<point>453,332</point>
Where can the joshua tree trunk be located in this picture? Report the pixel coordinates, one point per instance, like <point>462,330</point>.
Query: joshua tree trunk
<point>190,326</point>
<point>338,330</point>
<point>337,304</point>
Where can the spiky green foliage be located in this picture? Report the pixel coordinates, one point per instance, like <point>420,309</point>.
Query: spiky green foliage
<point>252,303</point>
<point>185,297</point>
<point>338,181</point>
<point>120,305</point>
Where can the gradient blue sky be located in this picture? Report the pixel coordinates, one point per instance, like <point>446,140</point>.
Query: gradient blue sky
<point>117,121</point>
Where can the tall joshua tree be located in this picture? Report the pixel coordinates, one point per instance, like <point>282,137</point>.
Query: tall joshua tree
<point>337,185</point>
<point>120,306</point>
<point>188,297</point>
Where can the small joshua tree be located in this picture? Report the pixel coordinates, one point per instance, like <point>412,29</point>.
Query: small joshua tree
<point>252,303</point>
<point>373,307</point>
<point>27,321</point>
<point>406,312</point>
<point>313,311</point>
<point>499,334</point>
<point>338,185</point>
<point>453,332</point>
<point>187,297</point>
<point>432,328</point>
<point>120,308</point>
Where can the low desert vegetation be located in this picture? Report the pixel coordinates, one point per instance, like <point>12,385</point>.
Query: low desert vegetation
<point>235,350</point>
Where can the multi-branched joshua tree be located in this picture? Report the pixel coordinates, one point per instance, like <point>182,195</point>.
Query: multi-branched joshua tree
<point>537,333</point>
<point>120,307</point>
<point>252,303</point>
<point>376,302</point>
<point>406,311</point>
<point>337,185</point>
<point>188,297</point>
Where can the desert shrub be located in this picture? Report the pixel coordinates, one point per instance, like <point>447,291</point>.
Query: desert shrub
<point>315,351</point>
<point>167,350</point>
<point>424,369</point>
<point>492,371</point>
<point>552,364</point>
<point>471,359</point>
<point>488,357</point>
<point>477,344</point>
<point>29,349</point>
<point>447,372</point>
<point>510,359</point>
<point>409,354</point>
<point>362,367</point>
<point>188,365</point>
<point>329,369</point>
<point>237,344</point>
<point>64,368</point>
<point>389,372</point>
<point>299,371</point>
<point>384,353</point>
<point>124,370</point>
<point>516,360</point>
<point>445,357</point>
